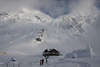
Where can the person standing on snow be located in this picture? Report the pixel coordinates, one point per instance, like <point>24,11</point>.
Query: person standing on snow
<point>41,62</point>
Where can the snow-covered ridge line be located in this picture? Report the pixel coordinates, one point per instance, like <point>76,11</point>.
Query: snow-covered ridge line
<point>25,14</point>
<point>76,21</point>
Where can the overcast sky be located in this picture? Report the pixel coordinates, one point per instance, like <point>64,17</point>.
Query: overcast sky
<point>54,8</point>
<point>47,6</point>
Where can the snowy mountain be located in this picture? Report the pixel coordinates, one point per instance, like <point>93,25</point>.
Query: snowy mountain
<point>21,27</point>
<point>19,30</point>
<point>25,14</point>
<point>16,26</point>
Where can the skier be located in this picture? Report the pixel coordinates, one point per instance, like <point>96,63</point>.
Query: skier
<point>41,62</point>
<point>46,58</point>
<point>45,54</point>
<point>40,35</point>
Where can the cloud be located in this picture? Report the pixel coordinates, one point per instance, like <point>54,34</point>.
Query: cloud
<point>54,8</point>
<point>9,5</point>
<point>82,6</point>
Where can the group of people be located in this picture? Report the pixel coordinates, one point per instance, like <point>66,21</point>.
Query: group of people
<point>42,61</point>
<point>47,53</point>
<point>45,57</point>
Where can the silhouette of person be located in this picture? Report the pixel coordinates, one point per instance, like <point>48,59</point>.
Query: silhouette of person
<point>41,62</point>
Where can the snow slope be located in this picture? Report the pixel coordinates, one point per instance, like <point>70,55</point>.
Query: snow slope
<point>19,29</point>
<point>20,26</point>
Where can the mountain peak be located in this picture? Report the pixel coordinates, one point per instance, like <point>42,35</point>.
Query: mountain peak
<point>27,15</point>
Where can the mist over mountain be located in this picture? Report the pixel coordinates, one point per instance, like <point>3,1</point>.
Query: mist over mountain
<point>69,25</point>
<point>19,29</point>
